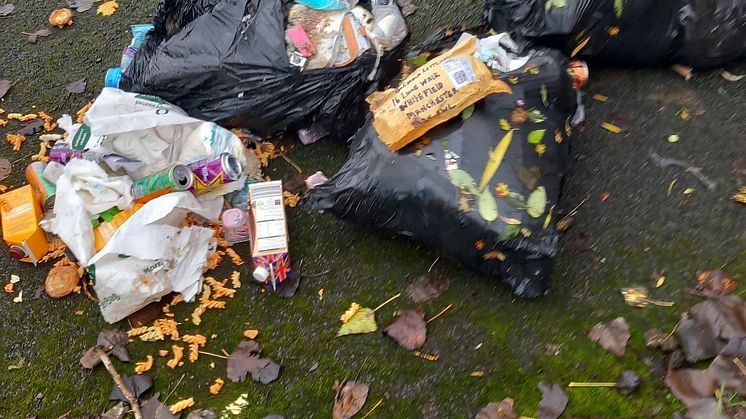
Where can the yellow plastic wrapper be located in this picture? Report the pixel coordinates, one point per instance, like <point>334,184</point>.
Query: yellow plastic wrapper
<point>432,94</point>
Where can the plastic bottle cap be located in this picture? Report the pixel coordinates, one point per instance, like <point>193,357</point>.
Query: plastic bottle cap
<point>261,274</point>
<point>17,252</point>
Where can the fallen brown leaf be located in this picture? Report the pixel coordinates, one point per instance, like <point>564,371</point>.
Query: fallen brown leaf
<point>5,169</point>
<point>408,329</point>
<point>498,410</point>
<point>612,336</point>
<point>80,6</point>
<point>41,33</point>
<point>349,400</point>
<point>76,87</point>
<point>154,409</point>
<point>627,382</point>
<point>245,359</point>
<point>4,87</point>
<point>553,400</point>
<point>427,287</point>
<point>6,9</point>
<point>654,338</point>
<point>728,367</point>
<point>691,385</point>
<point>114,341</point>
<point>708,326</point>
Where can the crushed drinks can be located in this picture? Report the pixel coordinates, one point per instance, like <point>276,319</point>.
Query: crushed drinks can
<point>173,179</point>
<point>44,190</point>
<point>62,153</point>
<point>212,173</point>
<point>579,73</point>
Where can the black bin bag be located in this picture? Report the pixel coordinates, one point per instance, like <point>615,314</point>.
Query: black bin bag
<point>700,33</point>
<point>226,61</point>
<point>413,192</point>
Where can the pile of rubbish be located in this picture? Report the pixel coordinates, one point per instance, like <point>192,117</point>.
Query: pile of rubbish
<point>698,33</point>
<point>129,192</point>
<point>270,66</point>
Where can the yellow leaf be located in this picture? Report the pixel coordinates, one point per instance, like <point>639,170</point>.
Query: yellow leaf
<point>354,308</point>
<point>495,158</point>
<point>107,8</point>
<point>613,31</point>
<point>504,125</point>
<point>611,127</point>
<point>541,149</point>
<point>251,333</point>
<point>660,281</point>
<point>477,374</point>
<point>580,47</point>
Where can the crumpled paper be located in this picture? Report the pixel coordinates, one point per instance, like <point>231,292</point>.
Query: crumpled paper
<point>152,255</point>
<point>83,190</point>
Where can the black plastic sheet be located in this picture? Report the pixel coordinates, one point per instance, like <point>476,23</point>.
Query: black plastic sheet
<point>410,193</point>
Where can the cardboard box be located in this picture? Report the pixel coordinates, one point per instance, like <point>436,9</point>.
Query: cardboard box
<point>20,213</point>
<point>269,236</point>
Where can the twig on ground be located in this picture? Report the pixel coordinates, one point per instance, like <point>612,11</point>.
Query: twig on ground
<point>120,383</point>
<point>174,389</point>
<point>440,314</point>
<point>387,301</point>
<point>433,264</point>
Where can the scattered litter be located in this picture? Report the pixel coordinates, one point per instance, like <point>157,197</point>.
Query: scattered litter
<point>61,18</point>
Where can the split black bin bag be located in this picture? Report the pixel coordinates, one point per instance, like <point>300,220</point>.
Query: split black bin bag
<point>226,61</point>
<point>413,192</point>
<point>699,33</point>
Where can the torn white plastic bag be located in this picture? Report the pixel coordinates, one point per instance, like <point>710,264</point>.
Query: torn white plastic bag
<point>84,190</point>
<point>151,255</point>
<point>149,130</point>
